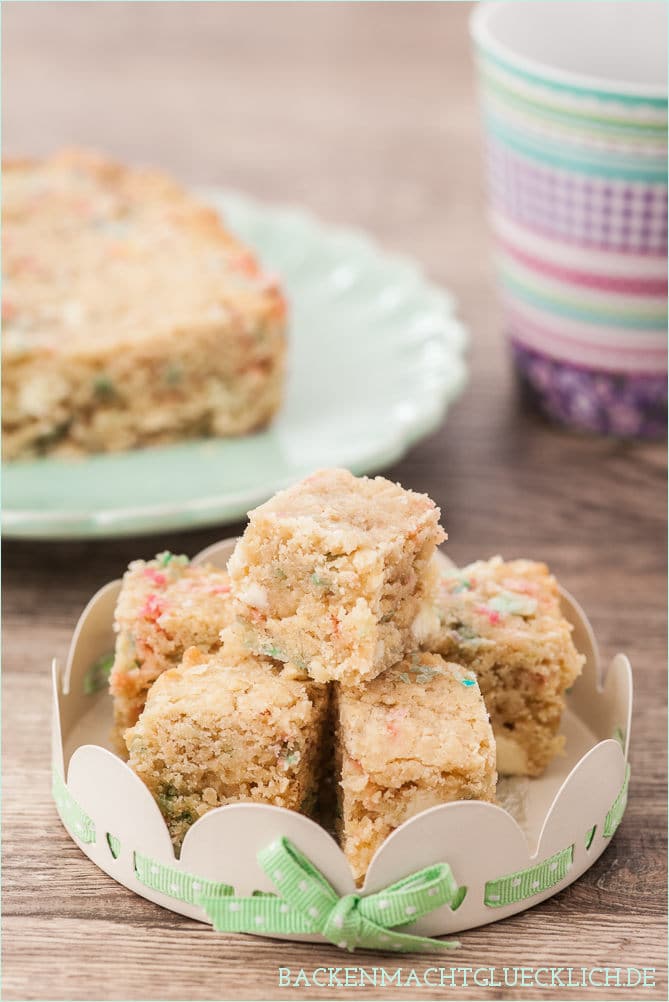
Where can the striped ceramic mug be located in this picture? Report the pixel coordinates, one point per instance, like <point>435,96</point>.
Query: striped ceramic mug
<point>575,108</point>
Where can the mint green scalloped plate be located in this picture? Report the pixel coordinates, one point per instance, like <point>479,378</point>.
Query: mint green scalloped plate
<point>376,357</point>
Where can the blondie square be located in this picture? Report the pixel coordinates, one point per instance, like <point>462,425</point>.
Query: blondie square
<point>214,733</point>
<point>335,575</point>
<point>416,736</point>
<point>165,606</point>
<point>131,316</point>
<point>504,621</point>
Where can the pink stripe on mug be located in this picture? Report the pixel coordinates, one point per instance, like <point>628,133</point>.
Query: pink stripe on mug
<point>592,280</point>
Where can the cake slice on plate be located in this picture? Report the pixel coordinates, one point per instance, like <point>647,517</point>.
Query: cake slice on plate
<point>131,316</point>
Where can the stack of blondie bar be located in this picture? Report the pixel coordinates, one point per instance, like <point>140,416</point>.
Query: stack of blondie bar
<point>333,645</point>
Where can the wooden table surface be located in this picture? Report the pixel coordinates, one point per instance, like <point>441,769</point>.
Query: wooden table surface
<point>365,113</point>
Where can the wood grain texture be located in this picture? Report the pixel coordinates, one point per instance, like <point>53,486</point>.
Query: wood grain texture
<point>366,114</point>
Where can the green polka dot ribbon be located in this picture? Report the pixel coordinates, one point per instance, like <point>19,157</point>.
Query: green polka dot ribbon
<point>177,883</point>
<point>73,817</point>
<point>309,904</point>
<point>615,815</point>
<point>525,883</point>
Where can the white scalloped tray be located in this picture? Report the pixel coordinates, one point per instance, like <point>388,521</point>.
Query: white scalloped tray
<point>481,842</point>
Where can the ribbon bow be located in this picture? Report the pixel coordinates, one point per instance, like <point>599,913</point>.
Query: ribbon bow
<point>309,904</point>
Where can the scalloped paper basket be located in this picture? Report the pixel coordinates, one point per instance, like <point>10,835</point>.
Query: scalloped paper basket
<point>543,834</point>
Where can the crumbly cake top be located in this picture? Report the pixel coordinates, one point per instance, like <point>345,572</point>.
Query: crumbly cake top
<point>95,252</point>
<point>423,710</point>
<point>170,591</point>
<point>518,594</point>
<point>348,511</point>
<point>211,686</point>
